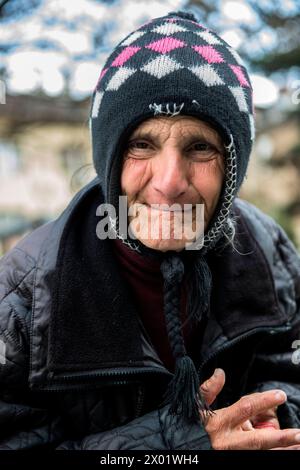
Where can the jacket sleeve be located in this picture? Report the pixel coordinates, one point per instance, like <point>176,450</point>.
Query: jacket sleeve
<point>155,431</point>
<point>277,361</point>
<point>25,420</point>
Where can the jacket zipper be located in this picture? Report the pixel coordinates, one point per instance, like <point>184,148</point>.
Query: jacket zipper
<point>127,371</point>
<point>141,390</point>
<point>121,374</point>
<point>87,386</point>
<point>140,401</point>
<point>270,329</point>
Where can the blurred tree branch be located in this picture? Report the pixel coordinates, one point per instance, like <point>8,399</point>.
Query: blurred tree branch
<point>15,8</point>
<point>286,52</point>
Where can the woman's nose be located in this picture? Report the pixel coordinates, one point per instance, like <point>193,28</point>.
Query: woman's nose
<point>170,174</point>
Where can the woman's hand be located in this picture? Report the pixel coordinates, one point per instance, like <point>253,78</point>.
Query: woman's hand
<point>229,427</point>
<point>225,426</point>
<point>212,387</point>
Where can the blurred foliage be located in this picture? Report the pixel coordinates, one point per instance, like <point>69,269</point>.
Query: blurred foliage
<point>272,15</point>
<point>287,27</point>
<point>13,9</point>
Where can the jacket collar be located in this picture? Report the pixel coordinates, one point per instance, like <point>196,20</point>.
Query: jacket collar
<point>93,321</point>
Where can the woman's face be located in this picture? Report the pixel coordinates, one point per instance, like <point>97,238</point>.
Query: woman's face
<point>171,160</point>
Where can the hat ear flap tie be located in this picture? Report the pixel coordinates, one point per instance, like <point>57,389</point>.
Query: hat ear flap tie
<point>183,392</point>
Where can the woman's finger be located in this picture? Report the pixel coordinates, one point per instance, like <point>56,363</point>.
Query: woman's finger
<point>213,386</point>
<point>254,404</point>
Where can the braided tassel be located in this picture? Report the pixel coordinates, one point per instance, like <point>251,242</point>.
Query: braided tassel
<point>183,392</point>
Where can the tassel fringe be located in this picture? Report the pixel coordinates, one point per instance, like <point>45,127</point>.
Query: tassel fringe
<point>183,392</point>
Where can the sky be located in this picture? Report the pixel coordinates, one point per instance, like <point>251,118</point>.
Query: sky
<point>58,40</point>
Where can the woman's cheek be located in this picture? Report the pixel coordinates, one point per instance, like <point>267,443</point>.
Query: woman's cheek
<point>208,179</point>
<point>134,174</point>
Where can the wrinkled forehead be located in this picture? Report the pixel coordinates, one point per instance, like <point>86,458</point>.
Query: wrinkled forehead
<point>176,126</point>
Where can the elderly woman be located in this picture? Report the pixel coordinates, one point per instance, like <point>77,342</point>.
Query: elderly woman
<point>176,338</point>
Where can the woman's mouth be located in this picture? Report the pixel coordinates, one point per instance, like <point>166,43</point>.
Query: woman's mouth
<point>169,208</point>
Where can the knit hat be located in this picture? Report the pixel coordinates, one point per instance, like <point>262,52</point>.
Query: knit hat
<point>174,65</point>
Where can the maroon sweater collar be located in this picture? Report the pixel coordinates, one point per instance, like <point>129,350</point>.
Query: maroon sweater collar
<point>145,281</point>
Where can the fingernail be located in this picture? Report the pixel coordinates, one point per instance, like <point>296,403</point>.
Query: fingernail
<point>280,395</point>
<point>218,372</point>
<point>297,437</point>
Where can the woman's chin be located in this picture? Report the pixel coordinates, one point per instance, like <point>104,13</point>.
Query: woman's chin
<point>164,245</point>
<point>163,234</point>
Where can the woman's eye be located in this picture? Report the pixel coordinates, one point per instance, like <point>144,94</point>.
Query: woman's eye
<point>138,145</point>
<point>203,150</point>
<point>138,149</point>
<point>202,147</point>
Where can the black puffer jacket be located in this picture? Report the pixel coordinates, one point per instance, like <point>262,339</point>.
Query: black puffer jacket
<point>77,368</point>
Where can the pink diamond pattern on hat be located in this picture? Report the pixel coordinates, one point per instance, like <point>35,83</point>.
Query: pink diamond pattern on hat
<point>207,74</point>
<point>161,66</point>
<point>165,45</point>
<point>119,78</point>
<point>240,75</point>
<point>125,55</point>
<point>102,75</point>
<point>208,37</point>
<point>209,53</point>
<point>103,72</point>
<point>168,28</point>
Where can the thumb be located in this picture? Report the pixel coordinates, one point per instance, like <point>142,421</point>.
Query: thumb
<point>211,388</point>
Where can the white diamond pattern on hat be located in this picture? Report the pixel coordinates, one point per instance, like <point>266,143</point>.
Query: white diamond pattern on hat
<point>237,57</point>
<point>207,74</point>
<point>168,28</point>
<point>238,93</point>
<point>252,126</point>
<point>96,104</point>
<point>119,78</point>
<point>161,66</point>
<point>133,37</point>
<point>208,37</point>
